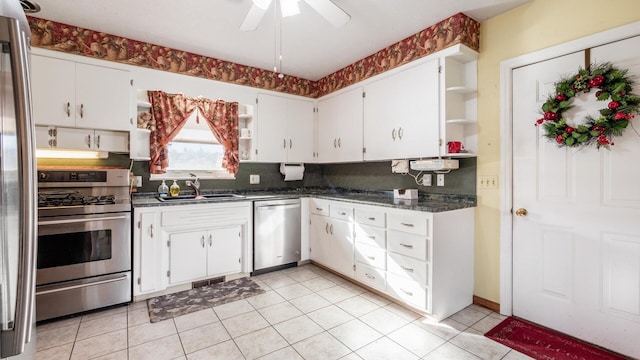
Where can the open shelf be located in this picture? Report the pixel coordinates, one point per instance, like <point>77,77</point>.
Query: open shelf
<point>463,90</point>
<point>462,122</point>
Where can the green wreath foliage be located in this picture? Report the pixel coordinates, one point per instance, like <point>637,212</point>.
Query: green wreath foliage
<point>612,85</point>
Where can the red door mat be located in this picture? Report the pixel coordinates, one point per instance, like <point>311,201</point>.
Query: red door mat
<point>541,343</point>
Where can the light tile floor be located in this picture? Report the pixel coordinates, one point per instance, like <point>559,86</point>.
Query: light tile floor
<point>306,313</point>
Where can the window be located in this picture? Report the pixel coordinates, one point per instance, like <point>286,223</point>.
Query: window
<point>196,151</point>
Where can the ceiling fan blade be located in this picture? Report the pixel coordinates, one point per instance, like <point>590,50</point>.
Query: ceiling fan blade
<point>330,11</point>
<point>254,16</point>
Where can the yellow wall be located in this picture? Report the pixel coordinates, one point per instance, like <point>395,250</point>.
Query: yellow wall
<point>530,27</point>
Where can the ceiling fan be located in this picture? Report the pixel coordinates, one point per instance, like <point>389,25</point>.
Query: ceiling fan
<point>330,11</point>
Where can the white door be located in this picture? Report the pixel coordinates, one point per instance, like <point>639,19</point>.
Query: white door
<point>340,238</point>
<point>53,86</point>
<point>299,130</point>
<point>187,256</point>
<point>319,243</point>
<point>272,128</point>
<point>339,135</point>
<point>113,141</point>
<point>224,247</point>
<point>576,254</point>
<point>72,138</point>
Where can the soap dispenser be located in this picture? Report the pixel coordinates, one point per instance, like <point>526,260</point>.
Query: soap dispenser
<point>163,190</point>
<point>174,190</point>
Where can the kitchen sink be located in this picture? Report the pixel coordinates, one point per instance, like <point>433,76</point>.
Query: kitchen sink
<point>201,197</point>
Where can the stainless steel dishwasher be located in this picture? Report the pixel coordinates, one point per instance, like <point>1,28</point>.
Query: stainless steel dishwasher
<point>276,234</point>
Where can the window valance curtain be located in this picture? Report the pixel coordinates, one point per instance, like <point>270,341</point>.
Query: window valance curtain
<point>169,114</point>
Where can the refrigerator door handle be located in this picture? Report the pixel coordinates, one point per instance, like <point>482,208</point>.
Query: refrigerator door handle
<point>25,287</point>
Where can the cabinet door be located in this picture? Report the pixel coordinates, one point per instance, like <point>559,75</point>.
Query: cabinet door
<point>339,136</point>
<point>300,130</point>
<point>53,91</point>
<point>148,256</point>
<point>341,255</point>
<point>401,114</point>
<point>43,137</point>
<point>319,234</point>
<point>187,256</point>
<point>113,141</point>
<point>102,98</point>
<point>224,250</point>
<point>272,128</point>
<point>77,139</point>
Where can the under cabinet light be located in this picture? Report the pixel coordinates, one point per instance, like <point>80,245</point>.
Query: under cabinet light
<point>70,154</point>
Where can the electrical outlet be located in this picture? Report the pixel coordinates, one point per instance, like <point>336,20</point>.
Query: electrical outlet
<point>136,181</point>
<point>254,179</point>
<point>440,179</point>
<point>488,182</point>
<point>426,180</point>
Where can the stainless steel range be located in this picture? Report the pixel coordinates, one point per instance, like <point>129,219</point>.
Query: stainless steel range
<point>84,240</point>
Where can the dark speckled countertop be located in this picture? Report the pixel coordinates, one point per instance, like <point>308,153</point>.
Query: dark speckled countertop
<point>428,202</point>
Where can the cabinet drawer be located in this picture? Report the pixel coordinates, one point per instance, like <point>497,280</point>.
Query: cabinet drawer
<point>341,212</point>
<point>408,268</point>
<point>409,245</point>
<point>407,290</point>
<point>371,236</point>
<point>410,222</point>
<point>371,217</point>
<point>319,207</point>
<point>372,256</point>
<point>371,276</point>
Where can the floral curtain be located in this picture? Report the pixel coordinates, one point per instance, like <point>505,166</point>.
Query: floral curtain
<point>169,113</point>
<point>222,118</point>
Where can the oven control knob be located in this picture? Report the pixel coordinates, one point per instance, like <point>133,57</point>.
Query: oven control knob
<point>43,176</point>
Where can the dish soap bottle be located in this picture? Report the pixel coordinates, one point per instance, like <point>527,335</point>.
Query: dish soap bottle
<point>163,190</point>
<point>174,190</point>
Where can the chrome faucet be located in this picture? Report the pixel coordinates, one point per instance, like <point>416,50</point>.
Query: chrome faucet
<point>194,184</point>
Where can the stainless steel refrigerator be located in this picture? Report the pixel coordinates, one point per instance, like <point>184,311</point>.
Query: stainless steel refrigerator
<point>17,187</point>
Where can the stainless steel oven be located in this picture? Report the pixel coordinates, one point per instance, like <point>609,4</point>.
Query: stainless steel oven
<point>84,240</point>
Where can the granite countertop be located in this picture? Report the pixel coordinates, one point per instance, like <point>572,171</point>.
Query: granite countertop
<point>428,202</point>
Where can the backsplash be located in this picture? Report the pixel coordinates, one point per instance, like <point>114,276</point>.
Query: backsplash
<point>359,176</point>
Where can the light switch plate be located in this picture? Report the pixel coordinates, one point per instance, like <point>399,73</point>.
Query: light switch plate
<point>254,179</point>
<point>440,179</point>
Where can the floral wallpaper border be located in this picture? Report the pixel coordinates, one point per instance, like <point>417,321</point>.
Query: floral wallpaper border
<point>47,34</point>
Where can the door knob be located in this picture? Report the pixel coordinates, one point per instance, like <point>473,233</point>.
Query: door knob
<point>522,212</point>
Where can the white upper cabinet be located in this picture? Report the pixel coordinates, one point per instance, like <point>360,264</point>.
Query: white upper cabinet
<point>339,135</point>
<point>70,94</point>
<point>401,114</point>
<point>285,129</point>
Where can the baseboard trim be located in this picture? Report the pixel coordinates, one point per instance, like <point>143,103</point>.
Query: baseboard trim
<point>486,303</point>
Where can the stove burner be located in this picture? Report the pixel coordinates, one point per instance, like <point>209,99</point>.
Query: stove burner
<point>72,198</point>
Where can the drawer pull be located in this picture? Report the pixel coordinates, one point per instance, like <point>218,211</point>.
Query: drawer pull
<point>372,218</point>
<point>407,292</point>
<point>342,213</point>
<point>370,276</point>
<point>407,224</point>
<point>407,246</point>
<point>319,209</point>
<point>371,257</point>
<point>407,269</point>
<point>371,237</point>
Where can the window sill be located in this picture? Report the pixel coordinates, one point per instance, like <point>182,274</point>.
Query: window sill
<point>186,175</point>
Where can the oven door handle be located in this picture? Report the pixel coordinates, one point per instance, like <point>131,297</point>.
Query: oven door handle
<point>65,288</point>
<point>73,221</point>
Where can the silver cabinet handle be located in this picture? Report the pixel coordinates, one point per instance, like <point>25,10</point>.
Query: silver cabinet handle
<point>326,228</point>
<point>339,142</point>
<point>331,229</point>
<point>319,209</point>
<point>342,213</point>
<point>68,110</point>
<point>400,132</point>
<point>81,111</point>
<point>73,221</point>
<point>98,141</point>
<point>393,134</point>
<point>371,257</point>
<point>407,224</point>
<point>372,237</point>
<point>370,276</point>
<point>210,240</point>
<point>290,143</point>
<point>202,241</point>
<point>407,269</point>
<point>407,292</point>
<point>89,140</point>
<point>79,286</point>
<point>151,230</point>
<point>407,246</point>
<point>372,218</point>
<point>335,143</point>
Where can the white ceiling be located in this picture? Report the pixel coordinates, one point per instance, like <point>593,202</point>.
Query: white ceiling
<point>311,47</point>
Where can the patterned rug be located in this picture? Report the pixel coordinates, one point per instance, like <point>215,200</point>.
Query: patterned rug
<point>542,343</point>
<point>188,301</point>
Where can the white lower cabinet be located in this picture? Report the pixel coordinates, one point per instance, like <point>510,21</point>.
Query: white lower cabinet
<point>179,244</point>
<point>198,254</point>
<point>422,259</point>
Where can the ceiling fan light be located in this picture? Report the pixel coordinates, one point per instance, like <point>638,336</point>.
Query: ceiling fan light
<point>289,7</point>
<point>262,4</point>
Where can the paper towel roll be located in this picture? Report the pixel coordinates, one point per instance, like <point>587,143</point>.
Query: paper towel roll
<point>292,172</point>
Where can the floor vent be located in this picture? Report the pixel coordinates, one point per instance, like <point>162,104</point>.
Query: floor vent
<point>201,283</point>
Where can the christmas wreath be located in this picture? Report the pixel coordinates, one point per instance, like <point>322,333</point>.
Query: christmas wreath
<point>613,85</point>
